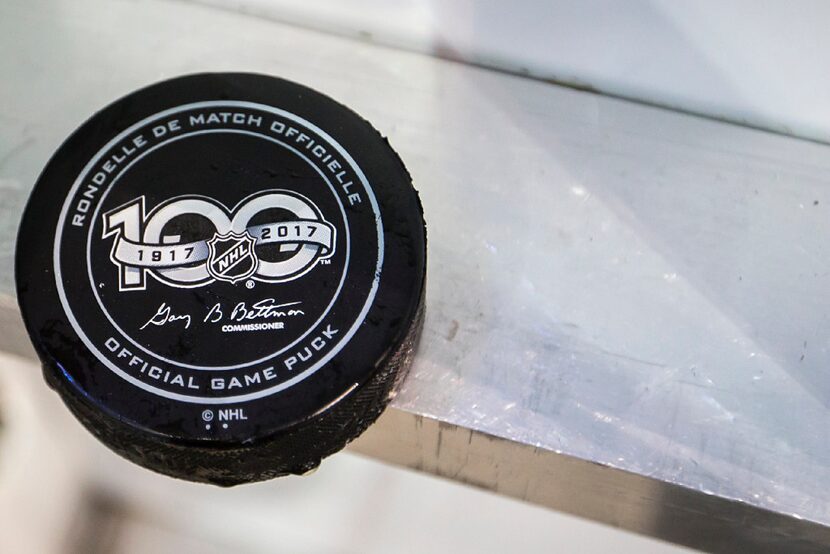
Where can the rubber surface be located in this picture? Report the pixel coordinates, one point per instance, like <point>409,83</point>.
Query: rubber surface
<point>223,275</point>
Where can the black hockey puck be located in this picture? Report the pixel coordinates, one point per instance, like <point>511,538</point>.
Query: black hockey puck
<point>223,276</point>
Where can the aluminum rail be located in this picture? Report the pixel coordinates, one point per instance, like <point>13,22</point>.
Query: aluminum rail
<point>628,308</point>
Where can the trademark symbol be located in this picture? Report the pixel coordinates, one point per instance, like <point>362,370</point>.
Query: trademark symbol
<point>249,284</point>
<point>325,262</point>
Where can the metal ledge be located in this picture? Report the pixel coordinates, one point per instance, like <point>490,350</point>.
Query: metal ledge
<point>627,307</point>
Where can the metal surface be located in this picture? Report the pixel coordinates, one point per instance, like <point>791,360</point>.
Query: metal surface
<point>627,307</point>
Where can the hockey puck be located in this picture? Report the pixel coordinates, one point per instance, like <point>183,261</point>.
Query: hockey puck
<point>223,276</point>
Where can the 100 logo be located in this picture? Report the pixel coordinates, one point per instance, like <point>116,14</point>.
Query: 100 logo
<point>144,242</point>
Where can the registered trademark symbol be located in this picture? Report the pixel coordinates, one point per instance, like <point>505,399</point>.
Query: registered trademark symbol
<point>207,415</point>
<point>249,284</point>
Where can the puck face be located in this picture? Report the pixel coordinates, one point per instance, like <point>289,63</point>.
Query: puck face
<point>208,259</point>
<point>210,282</point>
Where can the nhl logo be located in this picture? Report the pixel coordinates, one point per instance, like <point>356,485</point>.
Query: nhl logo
<point>232,257</point>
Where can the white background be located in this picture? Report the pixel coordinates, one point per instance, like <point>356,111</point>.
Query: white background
<point>759,62</point>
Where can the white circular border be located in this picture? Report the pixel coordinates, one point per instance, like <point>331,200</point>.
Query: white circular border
<point>244,397</point>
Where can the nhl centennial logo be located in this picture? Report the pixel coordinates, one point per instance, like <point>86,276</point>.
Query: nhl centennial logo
<point>142,246</point>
